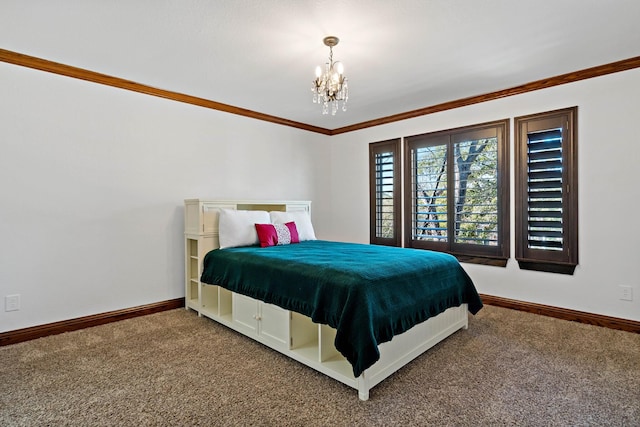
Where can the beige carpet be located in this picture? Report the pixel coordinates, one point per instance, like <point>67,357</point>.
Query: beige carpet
<point>174,368</point>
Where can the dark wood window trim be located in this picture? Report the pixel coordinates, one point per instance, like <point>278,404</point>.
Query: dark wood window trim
<point>563,258</point>
<point>472,253</point>
<point>389,150</point>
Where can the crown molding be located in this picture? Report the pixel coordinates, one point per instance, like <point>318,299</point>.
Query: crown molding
<point>104,79</point>
<point>588,73</point>
<point>95,77</point>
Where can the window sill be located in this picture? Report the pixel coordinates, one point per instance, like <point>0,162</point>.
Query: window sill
<point>548,267</point>
<point>471,259</point>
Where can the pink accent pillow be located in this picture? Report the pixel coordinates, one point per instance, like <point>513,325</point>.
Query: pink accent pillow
<point>277,234</point>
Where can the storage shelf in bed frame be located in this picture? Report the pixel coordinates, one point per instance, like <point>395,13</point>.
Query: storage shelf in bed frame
<point>291,333</point>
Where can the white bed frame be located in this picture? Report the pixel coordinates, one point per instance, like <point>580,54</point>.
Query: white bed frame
<point>288,332</point>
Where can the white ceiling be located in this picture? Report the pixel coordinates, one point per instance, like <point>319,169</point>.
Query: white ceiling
<point>260,55</point>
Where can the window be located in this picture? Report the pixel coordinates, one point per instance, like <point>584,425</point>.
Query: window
<point>547,191</point>
<point>384,192</point>
<point>457,192</point>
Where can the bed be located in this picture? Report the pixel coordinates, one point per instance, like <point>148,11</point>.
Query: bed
<point>355,312</point>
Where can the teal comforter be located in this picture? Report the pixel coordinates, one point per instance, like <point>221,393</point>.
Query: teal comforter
<point>368,293</point>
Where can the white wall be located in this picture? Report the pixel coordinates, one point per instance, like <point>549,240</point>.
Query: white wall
<point>609,192</point>
<point>92,181</point>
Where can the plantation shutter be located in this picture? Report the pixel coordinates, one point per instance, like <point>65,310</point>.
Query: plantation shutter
<point>544,190</point>
<point>547,192</point>
<point>476,172</point>
<point>385,193</point>
<point>429,185</point>
<point>457,192</point>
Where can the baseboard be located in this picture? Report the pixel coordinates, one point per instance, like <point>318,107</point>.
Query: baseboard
<point>26,334</point>
<point>564,313</point>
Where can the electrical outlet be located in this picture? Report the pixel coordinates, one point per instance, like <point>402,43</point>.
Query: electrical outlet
<point>626,293</point>
<point>12,302</point>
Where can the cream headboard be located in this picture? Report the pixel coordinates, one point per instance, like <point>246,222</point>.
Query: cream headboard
<point>201,215</point>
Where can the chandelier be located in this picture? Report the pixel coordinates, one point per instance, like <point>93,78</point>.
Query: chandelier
<point>330,87</point>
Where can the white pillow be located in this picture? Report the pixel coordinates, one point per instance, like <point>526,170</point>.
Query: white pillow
<point>237,228</point>
<point>302,220</point>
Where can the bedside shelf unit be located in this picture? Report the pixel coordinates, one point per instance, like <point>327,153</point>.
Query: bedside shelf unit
<point>201,236</point>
